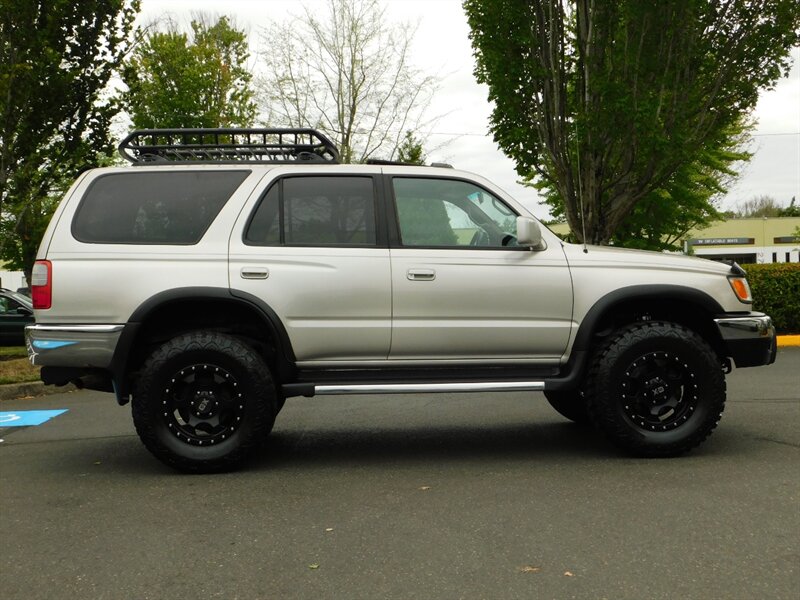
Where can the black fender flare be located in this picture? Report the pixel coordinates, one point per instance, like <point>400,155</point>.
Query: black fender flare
<point>119,362</point>
<point>653,292</point>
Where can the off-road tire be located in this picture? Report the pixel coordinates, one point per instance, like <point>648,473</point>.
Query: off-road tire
<point>657,389</point>
<point>203,402</point>
<point>570,404</point>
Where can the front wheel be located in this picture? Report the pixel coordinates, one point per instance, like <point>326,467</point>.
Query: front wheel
<point>658,389</point>
<point>203,402</point>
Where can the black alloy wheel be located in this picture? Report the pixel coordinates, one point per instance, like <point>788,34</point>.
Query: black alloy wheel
<point>659,391</point>
<point>203,404</point>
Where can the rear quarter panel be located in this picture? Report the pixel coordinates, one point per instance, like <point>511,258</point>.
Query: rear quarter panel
<point>105,283</point>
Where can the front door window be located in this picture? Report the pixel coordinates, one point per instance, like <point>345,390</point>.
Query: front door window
<point>451,214</point>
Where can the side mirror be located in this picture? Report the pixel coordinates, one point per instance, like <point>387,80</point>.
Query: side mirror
<point>21,310</point>
<point>529,233</point>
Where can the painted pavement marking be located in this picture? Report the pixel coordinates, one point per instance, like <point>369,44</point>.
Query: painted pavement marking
<point>26,418</point>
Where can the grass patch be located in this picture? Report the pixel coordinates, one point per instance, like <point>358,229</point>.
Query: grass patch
<point>15,366</point>
<point>9,352</point>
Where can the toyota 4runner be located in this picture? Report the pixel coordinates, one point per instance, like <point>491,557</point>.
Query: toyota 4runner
<point>228,270</point>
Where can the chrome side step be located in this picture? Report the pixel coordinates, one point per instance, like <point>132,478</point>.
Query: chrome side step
<point>428,388</point>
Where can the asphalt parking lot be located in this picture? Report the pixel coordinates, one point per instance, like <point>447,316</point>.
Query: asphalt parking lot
<point>446,496</point>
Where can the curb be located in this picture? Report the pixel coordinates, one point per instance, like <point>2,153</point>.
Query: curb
<point>15,391</point>
<point>784,341</point>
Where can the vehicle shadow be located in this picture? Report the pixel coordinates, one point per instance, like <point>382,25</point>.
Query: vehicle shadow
<point>562,443</point>
<point>435,444</point>
<point>371,447</point>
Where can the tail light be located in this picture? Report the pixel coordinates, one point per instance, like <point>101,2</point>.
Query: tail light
<point>42,284</point>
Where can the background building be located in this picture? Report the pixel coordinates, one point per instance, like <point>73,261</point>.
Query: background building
<point>748,241</point>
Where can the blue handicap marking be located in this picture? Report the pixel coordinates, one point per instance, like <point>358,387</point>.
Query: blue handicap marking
<point>26,418</point>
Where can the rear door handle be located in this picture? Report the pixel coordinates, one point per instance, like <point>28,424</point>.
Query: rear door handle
<point>421,274</point>
<point>254,272</point>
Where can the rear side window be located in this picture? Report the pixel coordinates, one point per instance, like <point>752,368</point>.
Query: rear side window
<point>153,208</point>
<point>315,211</point>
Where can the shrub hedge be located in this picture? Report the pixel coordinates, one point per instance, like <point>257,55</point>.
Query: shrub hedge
<point>776,291</point>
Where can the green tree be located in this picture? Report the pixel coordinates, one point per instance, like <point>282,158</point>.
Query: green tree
<point>609,104</point>
<point>174,81</point>
<point>660,220</point>
<point>688,200</point>
<point>56,59</point>
<point>410,150</point>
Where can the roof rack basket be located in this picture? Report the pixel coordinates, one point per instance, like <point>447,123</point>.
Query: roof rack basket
<point>228,146</point>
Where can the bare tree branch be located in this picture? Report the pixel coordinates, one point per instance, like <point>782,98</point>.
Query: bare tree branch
<point>346,72</point>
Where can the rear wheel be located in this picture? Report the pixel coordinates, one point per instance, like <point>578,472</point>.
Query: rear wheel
<point>658,389</point>
<point>570,404</point>
<point>203,402</point>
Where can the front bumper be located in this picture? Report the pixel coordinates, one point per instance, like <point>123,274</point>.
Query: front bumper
<point>750,339</point>
<point>83,346</point>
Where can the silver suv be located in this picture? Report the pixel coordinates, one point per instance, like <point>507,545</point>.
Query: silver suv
<point>228,270</point>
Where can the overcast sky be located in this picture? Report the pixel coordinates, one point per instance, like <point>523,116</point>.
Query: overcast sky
<point>441,46</point>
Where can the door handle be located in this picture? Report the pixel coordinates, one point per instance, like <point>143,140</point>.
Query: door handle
<point>254,272</point>
<point>421,274</point>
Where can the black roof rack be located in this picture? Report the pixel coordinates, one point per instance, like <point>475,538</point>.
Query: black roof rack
<point>259,145</point>
<point>379,161</point>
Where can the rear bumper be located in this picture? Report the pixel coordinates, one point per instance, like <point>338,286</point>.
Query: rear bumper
<point>87,346</point>
<point>750,340</point>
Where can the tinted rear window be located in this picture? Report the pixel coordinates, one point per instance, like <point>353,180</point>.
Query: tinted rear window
<point>153,208</point>
<point>316,211</point>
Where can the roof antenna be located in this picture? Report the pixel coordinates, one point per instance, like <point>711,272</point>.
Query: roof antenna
<point>580,192</point>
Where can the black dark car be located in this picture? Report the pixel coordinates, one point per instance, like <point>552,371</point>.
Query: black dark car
<point>16,311</point>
